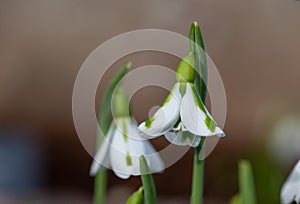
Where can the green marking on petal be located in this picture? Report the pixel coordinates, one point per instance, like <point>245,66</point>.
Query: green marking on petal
<point>167,99</point>
<point>197,99</point>
<point>187,136</point>
<point>124,129</point>
<point>177,123</point>
<point>128,159</point>
<point>182,88</point>
<point>149,121</point>
<point>209,122</point>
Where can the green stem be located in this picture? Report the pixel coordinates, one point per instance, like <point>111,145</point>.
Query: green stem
<point>198,176</point>
<point>100,187</point>
<point>104,123</point>
<point>197,47</point>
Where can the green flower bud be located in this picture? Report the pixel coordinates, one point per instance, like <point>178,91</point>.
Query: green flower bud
<point>120,106</point>
<point>185,71</point>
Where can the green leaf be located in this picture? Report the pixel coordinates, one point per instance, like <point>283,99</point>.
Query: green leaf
<point>246,183</point>
<point>137,197</point>
<point>198,176</point>
<point>105,109</point>
<point>104,123</point>
<point>196,46</point>
<point>148,183</point>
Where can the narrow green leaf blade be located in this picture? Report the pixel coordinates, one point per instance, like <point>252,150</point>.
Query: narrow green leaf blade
<point>148,182</point>
<point>201,64</point>
<point>105,108</point>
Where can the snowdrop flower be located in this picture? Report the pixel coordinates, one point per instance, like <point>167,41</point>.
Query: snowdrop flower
<point>182,117</point>
<point>290,191</point>
<point>123,144</point>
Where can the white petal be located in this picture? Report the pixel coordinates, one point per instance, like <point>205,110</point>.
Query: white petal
<point>127,147</point>
<point>291,189</point>
<point>101,156</point>
<point>181,137</point>
<point>165,118</point>
<point>195,116</point>
<point>153,158</point>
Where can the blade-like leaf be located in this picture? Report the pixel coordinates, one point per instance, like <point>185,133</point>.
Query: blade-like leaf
<point>200,59</point>
<point>148,183</point>
<point>105,109</point>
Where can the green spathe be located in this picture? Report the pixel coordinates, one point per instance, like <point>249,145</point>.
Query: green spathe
<point>186,71</point>
<point>120,104</point>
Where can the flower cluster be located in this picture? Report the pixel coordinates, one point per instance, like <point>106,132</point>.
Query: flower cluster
<point>182,117</point>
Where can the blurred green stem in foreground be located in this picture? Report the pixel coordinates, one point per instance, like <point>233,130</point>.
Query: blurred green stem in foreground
<point>246,185</point>
<point>196,45</point>
<point>148,182</point>
<point>104,122</point>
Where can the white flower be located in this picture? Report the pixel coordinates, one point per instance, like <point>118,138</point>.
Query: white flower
<point>123,145</point>
<point>290,191</point>
<point>182,117</point>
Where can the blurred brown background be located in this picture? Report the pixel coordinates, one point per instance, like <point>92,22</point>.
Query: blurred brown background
<point>255,45</point>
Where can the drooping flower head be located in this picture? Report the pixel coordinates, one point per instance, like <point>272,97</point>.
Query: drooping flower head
<point>290,191</point>
<point>182,117</point>
<point>123,144</point>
